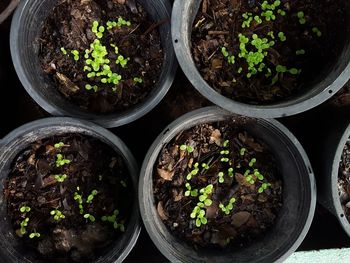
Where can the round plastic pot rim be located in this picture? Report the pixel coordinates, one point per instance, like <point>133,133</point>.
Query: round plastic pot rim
<point>277,110</point>
<point>334,181</point>
<point>108,121</point>
<point>193,117</point>
<point>112,138</point>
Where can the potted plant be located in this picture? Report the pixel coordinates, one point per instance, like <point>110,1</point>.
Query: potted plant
<point>6,9</point>
<point>67,194</point>
<point>107,61</point>
<point>333,158</point>
<point>266,58</point>
<point>217,187</point>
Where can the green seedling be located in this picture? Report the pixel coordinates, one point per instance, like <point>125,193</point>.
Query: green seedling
<point>317,31</point>
<point>258,175</point>
<point>193,172</point>
<point>242,151</point>
<point>90,217</point>
<point>252,162</point>
<point>188,148</point>
<point>281,12</point>
<point>263,187</point>
<point>224,152</point>
<point>75,54</point>
<point>113,219</point>
<point>230,58</point>
<point>138,80</point>
<point>225,160</point>
<point>60,161</point>
<point>60,177</point>
<point>221,177</point>
<point>89,87</point>
<point>258,20</point>
<point>300,52</point>
<point>23,225</point>
<point>230,172</point>
<point>91,196</point>
<point>122,61</point>
<point>190,191</point>
<point>226,143</point>
<point>282,36</point>
<point>301,17</point>
<point>25,209</point>
<point>64,51</point>
<point>59,145</point>
<point>123,183</point>
<point>205,166</point>
<point>57,215</point>
<point>34,234</point>
<point>78,197</point>
<point>229,207</point>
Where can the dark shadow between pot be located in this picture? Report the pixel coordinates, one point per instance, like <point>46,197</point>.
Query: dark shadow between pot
<point>183,16</point>
<point>25,30</point>
<point>11,249</point>
<point>330,161</point>
<point>299,195</point>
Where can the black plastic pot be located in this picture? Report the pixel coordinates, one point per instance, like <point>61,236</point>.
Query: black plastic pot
<point>7,10</point>
<point>11,249</point>
<point>26,26</point>
<point>329,160</point>
<point>299,195</point>
<point>184,13</point>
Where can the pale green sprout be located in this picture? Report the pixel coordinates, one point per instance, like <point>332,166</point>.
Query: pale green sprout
<point>57,215</point>
<point>25,209</point>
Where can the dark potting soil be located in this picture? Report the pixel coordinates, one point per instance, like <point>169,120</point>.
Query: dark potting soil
<point>33,183</point>
<point>252,212</point>
<point>219,23</point>
<point>344,180</point>
<point>69,26</point>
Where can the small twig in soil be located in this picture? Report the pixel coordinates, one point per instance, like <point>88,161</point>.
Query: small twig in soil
<point>211,56</point>
<point>155,25</point>
<point>218,32</point>
<point>132,31</point>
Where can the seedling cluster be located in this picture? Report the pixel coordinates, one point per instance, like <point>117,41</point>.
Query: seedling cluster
<point>187,148</point>
<point>57,215</point>
<point>252,176</point>
<point>25,209</point>
<point>113,219</point>
<point>229,207</point>
<point>60,161</point>
<point>198,212</point>
<point>98,59</point>
<point>254,49</point>
<point>60,177</point>
<point>90,217</point>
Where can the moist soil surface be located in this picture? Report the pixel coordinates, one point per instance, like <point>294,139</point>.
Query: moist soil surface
<point>70,26</point>
<point>32,183</point>
<point>219,22</point>
<point>253,213</point>
<point>344,180</point>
